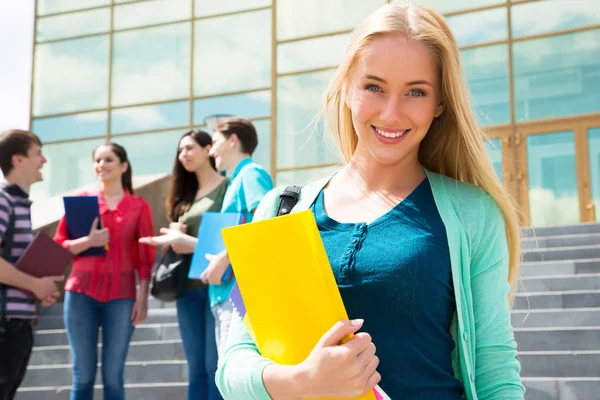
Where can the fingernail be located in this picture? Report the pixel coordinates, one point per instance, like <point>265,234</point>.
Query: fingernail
<point>357,322</point>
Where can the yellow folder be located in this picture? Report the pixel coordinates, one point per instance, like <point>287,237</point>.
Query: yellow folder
<point>287,285</point>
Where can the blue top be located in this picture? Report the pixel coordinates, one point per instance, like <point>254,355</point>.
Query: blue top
<point>247,186</point>
<point>401,263</point>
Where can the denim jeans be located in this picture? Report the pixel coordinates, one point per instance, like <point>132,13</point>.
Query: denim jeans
<point>83,317</point>
<point>197,329</point>
<point>222,313</point>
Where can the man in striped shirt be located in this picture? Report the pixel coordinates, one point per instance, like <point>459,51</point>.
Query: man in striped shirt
<point>21,161</point>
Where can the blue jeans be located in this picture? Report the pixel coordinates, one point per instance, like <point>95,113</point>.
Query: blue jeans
<point>197,328</point>
<point>83,317</point>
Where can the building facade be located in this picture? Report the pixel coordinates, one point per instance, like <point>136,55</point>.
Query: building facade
<point>141,73</point>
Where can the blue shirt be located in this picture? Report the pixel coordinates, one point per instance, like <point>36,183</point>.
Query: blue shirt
<point>395,273</point>
<point>248,185</point>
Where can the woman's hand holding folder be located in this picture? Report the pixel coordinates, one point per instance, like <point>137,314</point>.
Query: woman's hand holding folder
<point>337,367</point>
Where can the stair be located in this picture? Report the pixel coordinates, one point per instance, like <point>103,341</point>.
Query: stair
<point>556,317</point>
<point>556,314</point>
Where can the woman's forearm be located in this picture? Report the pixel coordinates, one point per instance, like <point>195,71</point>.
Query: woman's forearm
<point>80,245</point>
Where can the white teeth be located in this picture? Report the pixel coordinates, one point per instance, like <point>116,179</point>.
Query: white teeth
<point>391,135</point>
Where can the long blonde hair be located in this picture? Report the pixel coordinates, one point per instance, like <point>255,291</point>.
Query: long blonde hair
<point>454,143</point>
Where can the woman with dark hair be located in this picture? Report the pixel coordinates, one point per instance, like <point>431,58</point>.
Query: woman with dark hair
<point>101,290</point>
<point>195,188</point>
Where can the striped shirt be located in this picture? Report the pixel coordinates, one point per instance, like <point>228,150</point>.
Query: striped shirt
<point>14,201</point>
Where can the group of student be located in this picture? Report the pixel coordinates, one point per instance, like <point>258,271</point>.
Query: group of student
<point>422,239</point>
<point>111,291</point>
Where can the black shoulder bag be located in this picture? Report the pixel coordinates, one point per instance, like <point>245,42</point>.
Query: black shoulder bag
<point>170,274</point>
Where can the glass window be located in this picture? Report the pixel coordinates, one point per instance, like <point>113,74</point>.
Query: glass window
<point>156,156</point>
<point>71,76</point>
<point>553,15</point>
<point>78,24</point>
<point>57,6</point>
<point>313,17</point>
<point>299,141</point>
<point>151,12</point>
<point>479,27</point>
<point>494,149</point>
<point>313,53</point>
<point>203,8</point>
<point>151,65</point>
<point>247,105</point>
<point>69,167</point>
<point>553,196</point>
<point>70,127</point>
<point>262,154</point>
<point>486,69</point>
<point>557,76</point>
<point>148,118</point>
<point>303,177</point>
<point>445,6</point>
<point>232,53</point>
<point>594,142</point>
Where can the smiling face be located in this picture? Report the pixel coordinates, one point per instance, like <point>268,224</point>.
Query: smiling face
<point>394,95</point>
<point>192,156</point>
<point>222,150</point>
<point>107,165</point>
<point>30,166</point>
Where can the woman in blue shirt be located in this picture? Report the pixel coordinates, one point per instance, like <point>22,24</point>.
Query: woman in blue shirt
<point>421,237</point>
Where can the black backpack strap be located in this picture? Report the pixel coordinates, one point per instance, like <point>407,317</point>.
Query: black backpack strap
<point>288,199</point>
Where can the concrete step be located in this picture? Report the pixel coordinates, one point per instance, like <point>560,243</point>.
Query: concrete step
<point>561,388</point>
<point>557,230</point>
<point>147,391</point>
<point>155,316</point>
<point>560,363</point>
<point>574,338</point>
<point>561,253</point>
<point>136,372</point>
<point>559,299</point>
<point>561,241</point>
<point>138,351</point>
<point>142,333</point>
<point>550,283</point>
<point>153,305</point>
<point>540,268</point>
<point>539,318</point>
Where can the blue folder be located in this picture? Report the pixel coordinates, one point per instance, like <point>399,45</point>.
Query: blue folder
<point>80,212</point>
<point>210,241</point>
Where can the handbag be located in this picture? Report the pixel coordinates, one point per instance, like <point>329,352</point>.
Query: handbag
<point>170,275</point>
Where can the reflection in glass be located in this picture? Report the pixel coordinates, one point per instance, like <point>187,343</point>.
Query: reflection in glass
<point>148,118</point>
<point>45,7</point>
<point>156,156</point>
<point>69,166</point>
<point>553,196</point>
<point>262,154</point>
<point>232,53</point>
<point>303,177</point>
<point>445,6</point>
<point>78,24</point>
<point>310,54</point>
<point>494,149</point>
<point>553,15</point>
<point>557,76</point>
<point>151,13</point>
<point>76,126</point>
<point>204,7</point>
<point>312,17</point>
<point>151,64</point>
<point>479,27</point>
<point>247,105</point>
<point>299,142</point>
<point>486,69</point>
<point>71,76</point>
<point>594,143</point>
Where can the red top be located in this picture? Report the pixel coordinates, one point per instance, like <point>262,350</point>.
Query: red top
<point>112,276</point>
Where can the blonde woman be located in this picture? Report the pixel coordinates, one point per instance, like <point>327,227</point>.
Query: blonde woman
<point>422,239</point>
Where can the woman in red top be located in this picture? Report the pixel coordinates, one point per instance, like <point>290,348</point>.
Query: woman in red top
<point>101,290</point>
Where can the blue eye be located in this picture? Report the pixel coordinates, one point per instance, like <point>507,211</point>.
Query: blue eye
<point>373,88</point>
<point>417,92</point>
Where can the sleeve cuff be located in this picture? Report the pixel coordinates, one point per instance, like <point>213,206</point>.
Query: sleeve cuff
<point>257,380</point>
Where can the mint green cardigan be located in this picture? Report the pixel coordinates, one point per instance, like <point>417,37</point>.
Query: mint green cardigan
<point>484,359</point>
